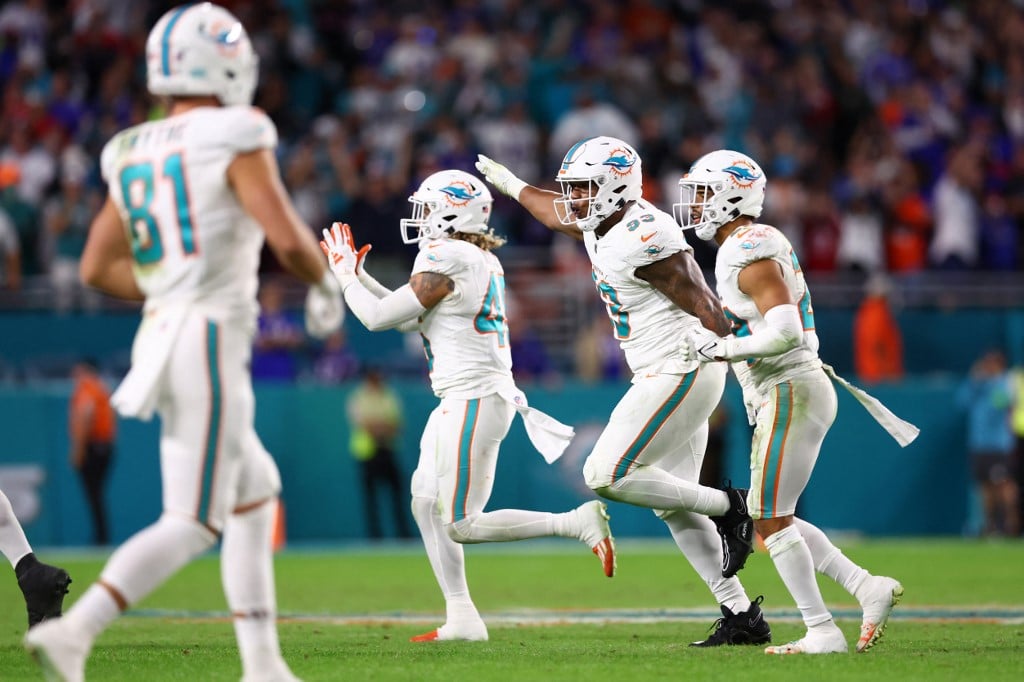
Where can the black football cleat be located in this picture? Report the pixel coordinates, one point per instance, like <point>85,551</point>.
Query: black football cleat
<point>44,587</point>
<point>746,627</point>
<point>737,531</point>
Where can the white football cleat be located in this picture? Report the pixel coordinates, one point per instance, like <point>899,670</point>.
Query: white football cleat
<point>597,534</point>
<point>877,596</point>
<point>816,641</point>
<point>455,632</point>
<point>59,650</point>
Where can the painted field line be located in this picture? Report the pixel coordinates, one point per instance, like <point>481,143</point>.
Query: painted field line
<point>510,618</point>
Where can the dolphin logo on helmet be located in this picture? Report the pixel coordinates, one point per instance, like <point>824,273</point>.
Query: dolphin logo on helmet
<point>720,187</point>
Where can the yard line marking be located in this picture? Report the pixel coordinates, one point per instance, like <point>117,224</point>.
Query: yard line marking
<point>515,617</point>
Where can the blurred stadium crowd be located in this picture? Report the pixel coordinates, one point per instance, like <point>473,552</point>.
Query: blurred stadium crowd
<point>892,132</point>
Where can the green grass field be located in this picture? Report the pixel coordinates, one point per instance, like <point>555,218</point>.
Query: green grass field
<point>347,614</point>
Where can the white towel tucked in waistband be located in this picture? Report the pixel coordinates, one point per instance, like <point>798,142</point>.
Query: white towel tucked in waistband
<point>903,431</point>
<point>550,436</point>
<point>137,394</point>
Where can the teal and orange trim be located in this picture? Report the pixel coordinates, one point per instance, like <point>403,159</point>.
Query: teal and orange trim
<point>653,425</point>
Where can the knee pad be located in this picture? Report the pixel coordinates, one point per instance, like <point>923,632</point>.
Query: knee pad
<point>462,530</point>
<point>423,484</point>
<point>596,472</point>
<point>664,514</point>
<point>423,508</point>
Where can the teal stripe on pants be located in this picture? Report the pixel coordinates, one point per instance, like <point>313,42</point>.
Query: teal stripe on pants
<point>776,448</point>
<point>463,473</point>
<point>653,424</point>
<point>213,430</point>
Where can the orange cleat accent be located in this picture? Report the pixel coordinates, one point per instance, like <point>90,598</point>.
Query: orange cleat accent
<point>425,637</point>
<point>605,551</point>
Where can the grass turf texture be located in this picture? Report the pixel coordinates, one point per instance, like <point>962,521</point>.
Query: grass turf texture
<point>180,631</point>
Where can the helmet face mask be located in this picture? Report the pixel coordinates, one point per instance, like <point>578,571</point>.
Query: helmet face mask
<point>447,202</point>
<point>598,176</point>
<point>196,50</point>
<point>720,187</point>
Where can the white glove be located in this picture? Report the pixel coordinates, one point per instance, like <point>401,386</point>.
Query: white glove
<point>703,345</point>
<point>502,178</point>
<point>325,310</point>
<point>341,254</point>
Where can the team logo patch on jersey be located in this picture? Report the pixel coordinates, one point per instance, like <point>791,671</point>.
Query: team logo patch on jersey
<point>620,162</point>
<point>742,173</point>
<point>459,193</point>
<point>654,250</point>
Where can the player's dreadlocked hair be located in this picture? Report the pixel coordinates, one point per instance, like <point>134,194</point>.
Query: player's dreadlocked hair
<point>485,241</point>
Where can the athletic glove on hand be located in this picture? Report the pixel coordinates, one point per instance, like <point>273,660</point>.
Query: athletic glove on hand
<point>502,178</point>
<point>703,345</point>
<point>325,311</point>
<point>341,254</point>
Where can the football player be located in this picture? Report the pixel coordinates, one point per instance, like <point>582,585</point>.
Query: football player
<point>190,200</point>
<point>651,451</point>
<point>455,299</point>
<point>787,390</point>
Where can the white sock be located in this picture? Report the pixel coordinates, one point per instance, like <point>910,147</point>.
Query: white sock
<point>506,525</point>
<point>655,488</point>
<point>139,566</point>
<point>446,556</point>
<point>247,573</point>
<point>13,543</point>
<point>697,539</point>
<point>796,568</point>
<point>829,560</point>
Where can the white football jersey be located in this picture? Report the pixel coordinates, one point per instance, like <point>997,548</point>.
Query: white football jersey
<point>743,247</point>
<point>191,240</point>
<point>465,336</point>
<point>647,323</point>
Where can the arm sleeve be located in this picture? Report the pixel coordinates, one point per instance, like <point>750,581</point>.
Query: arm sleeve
<point>372,285</point>
<point>389,312</point>
<point>783,331</point>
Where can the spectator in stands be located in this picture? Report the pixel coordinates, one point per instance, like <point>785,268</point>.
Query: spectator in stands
<point>877,340</point>
<point>336,361</point>
<point>986,396</point>
<point>279,337</point>
<point>957,228</point>
<point>92,430</point>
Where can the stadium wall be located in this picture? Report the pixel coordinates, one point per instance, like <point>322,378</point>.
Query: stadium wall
<point>864,482</point>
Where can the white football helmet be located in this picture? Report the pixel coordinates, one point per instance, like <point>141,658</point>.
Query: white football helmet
<point>723,185</point>
<point>201,50</point>
<point>611,170</point>
<point>448,201</point>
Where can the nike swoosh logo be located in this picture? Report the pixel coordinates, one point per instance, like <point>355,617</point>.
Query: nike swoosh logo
<point>646,237</point>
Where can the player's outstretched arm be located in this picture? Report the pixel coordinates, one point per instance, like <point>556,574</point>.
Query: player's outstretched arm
<point>398,309</point>
<point>107,258</point>
<point>679,278</point>
<point>257,184</point>
<point>539,202</point>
